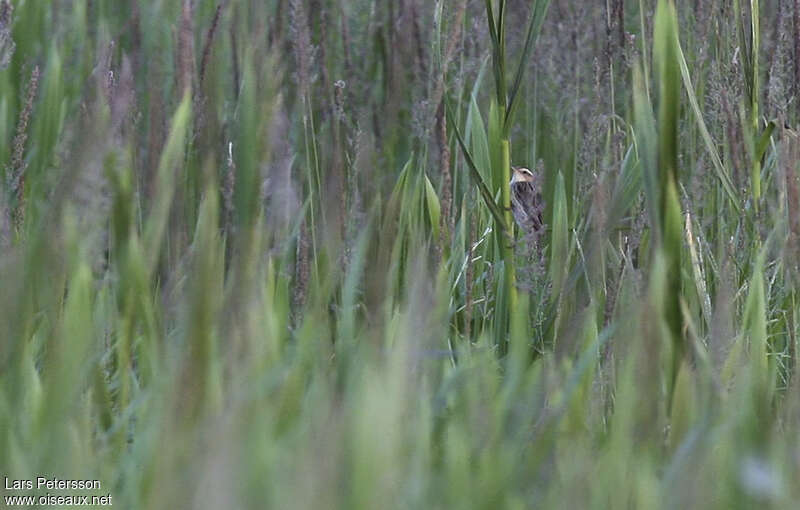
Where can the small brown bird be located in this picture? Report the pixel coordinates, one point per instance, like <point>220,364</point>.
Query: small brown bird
<point>526,199</point>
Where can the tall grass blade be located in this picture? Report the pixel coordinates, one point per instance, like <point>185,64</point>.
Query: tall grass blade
<point>647,149</point>
<point>559,257</point>
<point>722,173</point>
<point>166,178</point>
<point>666,56</point>
<point>477,179</point>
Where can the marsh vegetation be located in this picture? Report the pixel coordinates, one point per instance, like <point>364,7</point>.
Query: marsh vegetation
<point>261,253</point>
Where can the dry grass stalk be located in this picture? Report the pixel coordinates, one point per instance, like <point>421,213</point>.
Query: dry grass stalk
<point>301,274</point>
<point>441,124</point>
<point>17,169</point>
<point>156,133</point>
<point>420,46</point>
<point>468,275</point>
<point>276,26</point>
<point>790,159</point>
<point>735,143</point>
<point>209,40</point>
<point>235,58</point>
<point>301,45</point>
<point>186,47</point>
<point>791,155</point>
<point>228,187</point>
<point>320,19</point>
<point>447,179</point>
<point>797,50</point>
<point>6,10</point>
<point>135,29</point>
<point>7,45</point>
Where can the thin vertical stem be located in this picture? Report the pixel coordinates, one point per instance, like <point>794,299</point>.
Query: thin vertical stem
<point>509,270</point>
<point>755,176</point>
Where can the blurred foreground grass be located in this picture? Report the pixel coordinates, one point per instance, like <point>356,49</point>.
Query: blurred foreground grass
<point>245,261</point>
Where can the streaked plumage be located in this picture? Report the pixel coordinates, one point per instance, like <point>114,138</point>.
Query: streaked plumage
<point>526,199</point>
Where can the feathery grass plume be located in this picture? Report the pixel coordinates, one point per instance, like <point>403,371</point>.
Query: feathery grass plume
<point>209,41</point>
<point>559,257</point>
<point>420,62</point>
<point>755,96</point>
<point>185,64</point>
<point>345,158</point>
<point>304,58</point>
<point>278,189</point>
<point>235,73</point>
<point>778,93</point>
<point>301,274</point>
<point>105,70</point>
<point>796,60</point>
<point>123,99</point>
<point>17,167</point>
<point>301,46</point>
<point>468,274</point>
<point>7,45</point>
<point>319,23</point>
<point>722,173</point>
<point>790,157</point>
<point>5,223</point>
<point>444,172</point>
<point>136,50</point>
<point>101,146</point>
<point>614,44</point>
<point>735,145</point>
<point>228,188</point>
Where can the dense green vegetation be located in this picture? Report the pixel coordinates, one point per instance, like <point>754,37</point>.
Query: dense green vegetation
<point>259,253</point>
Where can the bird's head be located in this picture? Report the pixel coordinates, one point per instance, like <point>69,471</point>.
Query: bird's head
<point>520,174</point>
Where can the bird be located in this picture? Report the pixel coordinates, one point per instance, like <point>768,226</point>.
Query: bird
<point>526,199</point>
